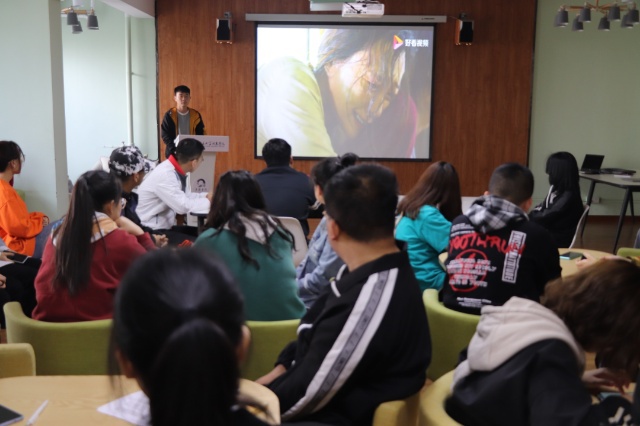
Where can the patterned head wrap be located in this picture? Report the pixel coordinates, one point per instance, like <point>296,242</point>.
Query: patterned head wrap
<point>128,160</point>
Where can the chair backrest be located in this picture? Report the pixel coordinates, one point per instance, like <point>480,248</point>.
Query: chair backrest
<point>450,332</point>
<point>70,348</point>
<point>628,252</point>
<point>580,227</point>
<point>403,412</point>
<point>268,339</point>
<point>432,411</point>
<point>300,249</point>
<point>17,359</point>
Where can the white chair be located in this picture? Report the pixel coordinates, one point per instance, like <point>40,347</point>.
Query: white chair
<point>300,248</point>
<point>580,227</point>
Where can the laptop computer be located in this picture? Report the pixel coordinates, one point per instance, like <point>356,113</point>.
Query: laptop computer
<point>592,163</point>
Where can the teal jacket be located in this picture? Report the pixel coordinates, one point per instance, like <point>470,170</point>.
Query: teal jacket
<point>270,292</point>
<point>426,236</point>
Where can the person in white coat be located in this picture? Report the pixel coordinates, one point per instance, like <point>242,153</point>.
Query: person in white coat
<point>166,192</point>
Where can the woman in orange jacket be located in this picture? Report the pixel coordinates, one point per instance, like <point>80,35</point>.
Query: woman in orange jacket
<point>20,229</point>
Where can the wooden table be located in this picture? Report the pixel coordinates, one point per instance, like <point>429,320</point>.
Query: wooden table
<point>627,184</point>
<point>568,266</point>
<point>73,400</point>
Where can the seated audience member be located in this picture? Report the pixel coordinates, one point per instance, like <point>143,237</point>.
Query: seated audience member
<point>16,281</point>
<point>22,232</point>
<point>427,211</point>
<point>129,166</point>
<point>254,246</point>
<point>367,340</point>
<point>287,191</point>
<point>88,254</point>
<point>321,264</point>
<point>560,212</point>
<point>178,329</point>
<point>495,252</point>
<point>166,191</point>
<point>525,364</point>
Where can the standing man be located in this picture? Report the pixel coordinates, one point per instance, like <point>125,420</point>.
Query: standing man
<point>180,120</point>
<point>286,191</point>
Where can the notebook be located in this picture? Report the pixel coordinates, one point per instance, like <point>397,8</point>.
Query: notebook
<point>592,163</point>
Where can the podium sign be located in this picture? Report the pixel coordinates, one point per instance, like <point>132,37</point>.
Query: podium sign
<point>202,179</point>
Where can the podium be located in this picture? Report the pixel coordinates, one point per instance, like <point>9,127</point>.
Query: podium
<point>202,180</point>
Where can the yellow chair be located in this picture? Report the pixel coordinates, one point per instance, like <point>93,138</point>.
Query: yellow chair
<point>432,411</point>
<point>68,348</point>
<point>450,332</point>
<point>268,339</point>
<point>17,359</point>
<point>403,412</point>
<point>628,252</point>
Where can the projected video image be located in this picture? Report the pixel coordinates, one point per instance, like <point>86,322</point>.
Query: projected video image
<point>335,89</point>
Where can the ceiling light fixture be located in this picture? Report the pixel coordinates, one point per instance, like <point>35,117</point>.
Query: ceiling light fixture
<point>610,11</point>
<point>72,17</point>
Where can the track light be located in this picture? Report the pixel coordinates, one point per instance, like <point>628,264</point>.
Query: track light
<point>72,18</point>
<point>604,24</point>
<point>76,29</point>
<point>92,21</point>
<point>577,25</point>
<point>614,13</point>
<point>585,14</point>
<point>562,17</point>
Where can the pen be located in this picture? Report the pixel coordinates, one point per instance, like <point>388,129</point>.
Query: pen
<point>35,415</point>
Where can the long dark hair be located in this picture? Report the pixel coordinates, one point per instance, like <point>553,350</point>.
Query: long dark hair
<point>562,169</point>
<point>74,251</point>
<point>325,169</point>
<point>238,195</point>
<point>439,186</point>
<point>9,151</point>
<point>178,318</point>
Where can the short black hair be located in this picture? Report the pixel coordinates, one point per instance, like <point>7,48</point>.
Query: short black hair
<point>182,89</point>
<point>188,149</point>
<point>276,152</point>
<point>513,182</point>
<point>362,200</point>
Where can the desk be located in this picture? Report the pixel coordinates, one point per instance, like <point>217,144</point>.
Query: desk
<point>73,400</point>
<point>568,266</point>
<point>627,184</point>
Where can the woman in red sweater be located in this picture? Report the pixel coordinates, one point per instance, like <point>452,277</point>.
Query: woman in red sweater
<point>88,254</point>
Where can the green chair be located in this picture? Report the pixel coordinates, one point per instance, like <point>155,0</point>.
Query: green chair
<point>403,412</point>
<point>66,348</point>
<point>432,411</point>
<point>628,252</point>
<point>268,339</point>
<point>450,332</point>
<point>17,359</point>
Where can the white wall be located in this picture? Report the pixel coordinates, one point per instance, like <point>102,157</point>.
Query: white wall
<point>586,99</point>
<point>32,112</point>
<point>96,92</point>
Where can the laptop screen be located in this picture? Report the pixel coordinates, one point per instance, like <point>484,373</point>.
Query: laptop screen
<point>592,162</point>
